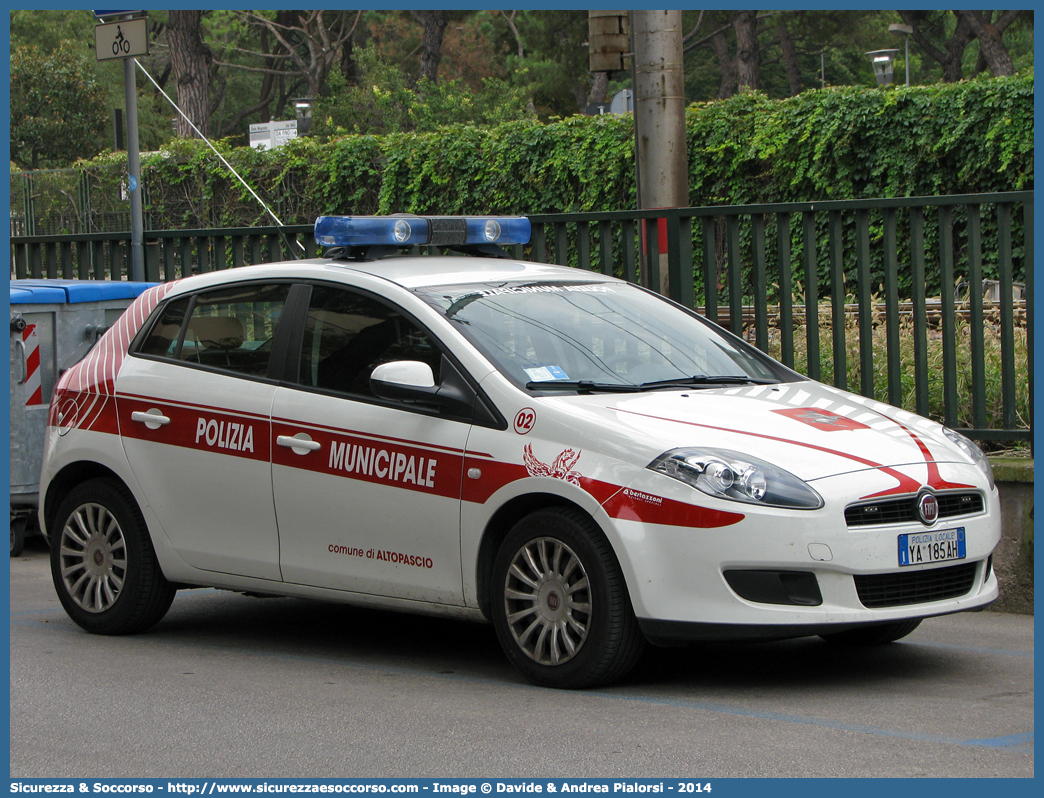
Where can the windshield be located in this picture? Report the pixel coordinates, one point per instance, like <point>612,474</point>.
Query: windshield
<point>598,336</point>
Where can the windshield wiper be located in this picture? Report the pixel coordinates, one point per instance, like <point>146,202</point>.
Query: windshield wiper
<point>583,386</point>
<point>707,379</point>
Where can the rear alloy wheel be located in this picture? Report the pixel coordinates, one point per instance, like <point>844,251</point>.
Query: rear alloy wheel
<point>102,562</point>
<point>875,635</point>
<point>561,609</point>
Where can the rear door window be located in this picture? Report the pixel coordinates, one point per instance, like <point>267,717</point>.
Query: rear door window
<point>231,329</point>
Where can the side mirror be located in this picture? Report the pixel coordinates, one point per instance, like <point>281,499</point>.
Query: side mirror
<point>413,381</point>
<point>404,381</point>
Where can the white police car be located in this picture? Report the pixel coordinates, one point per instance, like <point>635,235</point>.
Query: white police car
<point>573,458</point>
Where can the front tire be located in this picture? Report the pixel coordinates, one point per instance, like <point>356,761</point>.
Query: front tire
<point>102,561</point>
<point>560,605</point>
<point>876,635</point>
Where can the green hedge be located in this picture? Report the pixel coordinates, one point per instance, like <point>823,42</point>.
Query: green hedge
<point>851,143</point>
<point>848,142</point>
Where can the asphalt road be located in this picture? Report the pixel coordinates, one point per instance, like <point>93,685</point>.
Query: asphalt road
<point>233,686</point>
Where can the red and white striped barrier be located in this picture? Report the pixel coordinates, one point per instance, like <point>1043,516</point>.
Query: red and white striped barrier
<point>31,352</point>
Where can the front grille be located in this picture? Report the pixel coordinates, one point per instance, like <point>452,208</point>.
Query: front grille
<point>904,510</point>
<point>915,587</point>
<point>897,511</point>
<point>954,504</point>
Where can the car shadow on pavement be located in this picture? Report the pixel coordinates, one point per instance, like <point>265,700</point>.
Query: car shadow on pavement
<point>798,663</point>
<point>308,628</point>
<point>379,638</point>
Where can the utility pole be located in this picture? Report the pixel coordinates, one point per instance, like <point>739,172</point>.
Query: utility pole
<point>659,120</point>
<point>134,171</point>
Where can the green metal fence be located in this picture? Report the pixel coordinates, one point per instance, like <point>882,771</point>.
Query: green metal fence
<point>876,296</point>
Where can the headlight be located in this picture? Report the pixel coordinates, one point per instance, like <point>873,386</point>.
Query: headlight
<point>973,451</point>
<point>738,477</point>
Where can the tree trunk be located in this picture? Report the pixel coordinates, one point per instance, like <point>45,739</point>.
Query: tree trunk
<point>599,88</point>
<point>190,60</point>
<point>748,55</point>
<point>790,58</point>
<point>434,23</point>
<point>725,64</point>
<point>952,55</point>
<point>991,42</point>
<point>514,31</point>
<point>349,67</point>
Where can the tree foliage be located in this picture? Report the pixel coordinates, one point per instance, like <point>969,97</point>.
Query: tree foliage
<point>57,106</point>
<point>384,101</point>
<point>366,68</point>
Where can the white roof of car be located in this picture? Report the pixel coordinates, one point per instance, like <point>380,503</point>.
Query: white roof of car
<point>409,272</point>
<point>419,272</point>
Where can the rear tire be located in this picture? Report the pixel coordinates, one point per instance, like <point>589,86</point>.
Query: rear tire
<point>873,635</point>
<point>18,535</point>
<point>102,562</point>
<point>560,605</point>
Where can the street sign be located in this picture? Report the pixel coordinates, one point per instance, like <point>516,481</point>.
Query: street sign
<point>104,14</point>
<point>123,39</point>
<point>269,135</point>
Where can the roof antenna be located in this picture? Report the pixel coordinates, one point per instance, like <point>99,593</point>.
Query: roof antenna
<point>290,242</point>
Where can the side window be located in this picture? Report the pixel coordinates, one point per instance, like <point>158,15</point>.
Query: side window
<point>347,335</point>
<point>163,338</point>
<point>230,329</point>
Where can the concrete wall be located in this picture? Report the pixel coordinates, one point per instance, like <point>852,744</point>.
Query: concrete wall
<point>1013,559</point>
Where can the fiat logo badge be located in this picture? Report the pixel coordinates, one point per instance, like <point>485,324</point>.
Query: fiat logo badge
<point>552,601</point>
<point>928,509</point>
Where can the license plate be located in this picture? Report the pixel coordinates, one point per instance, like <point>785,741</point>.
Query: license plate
<point>920,548</point>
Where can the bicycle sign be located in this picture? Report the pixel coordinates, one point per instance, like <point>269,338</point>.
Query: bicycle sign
<point>122,39</point>
<point>120,46</point>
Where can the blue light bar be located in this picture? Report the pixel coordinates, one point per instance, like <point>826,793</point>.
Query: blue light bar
<point>407,231</point>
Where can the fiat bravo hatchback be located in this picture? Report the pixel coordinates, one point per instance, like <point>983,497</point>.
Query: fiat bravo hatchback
<point>581,462</point>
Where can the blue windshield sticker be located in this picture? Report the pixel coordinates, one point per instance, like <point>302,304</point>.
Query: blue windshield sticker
<point>546,374</point>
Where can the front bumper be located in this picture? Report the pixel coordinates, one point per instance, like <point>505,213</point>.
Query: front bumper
<point>661,632</point>
<point>784,573</point>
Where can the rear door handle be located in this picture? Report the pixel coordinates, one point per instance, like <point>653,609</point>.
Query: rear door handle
<point>300,443</point>
<point>152,418</point>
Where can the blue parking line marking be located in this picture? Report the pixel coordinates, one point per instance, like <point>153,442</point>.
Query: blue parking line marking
<point>1016,742</point>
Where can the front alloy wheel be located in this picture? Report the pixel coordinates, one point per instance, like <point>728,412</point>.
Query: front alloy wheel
<point>560,605</point>
<point>547,601</point>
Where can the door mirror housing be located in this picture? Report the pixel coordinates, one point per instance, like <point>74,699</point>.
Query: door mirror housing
<point>413,382</point>
<point>402,377</point>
